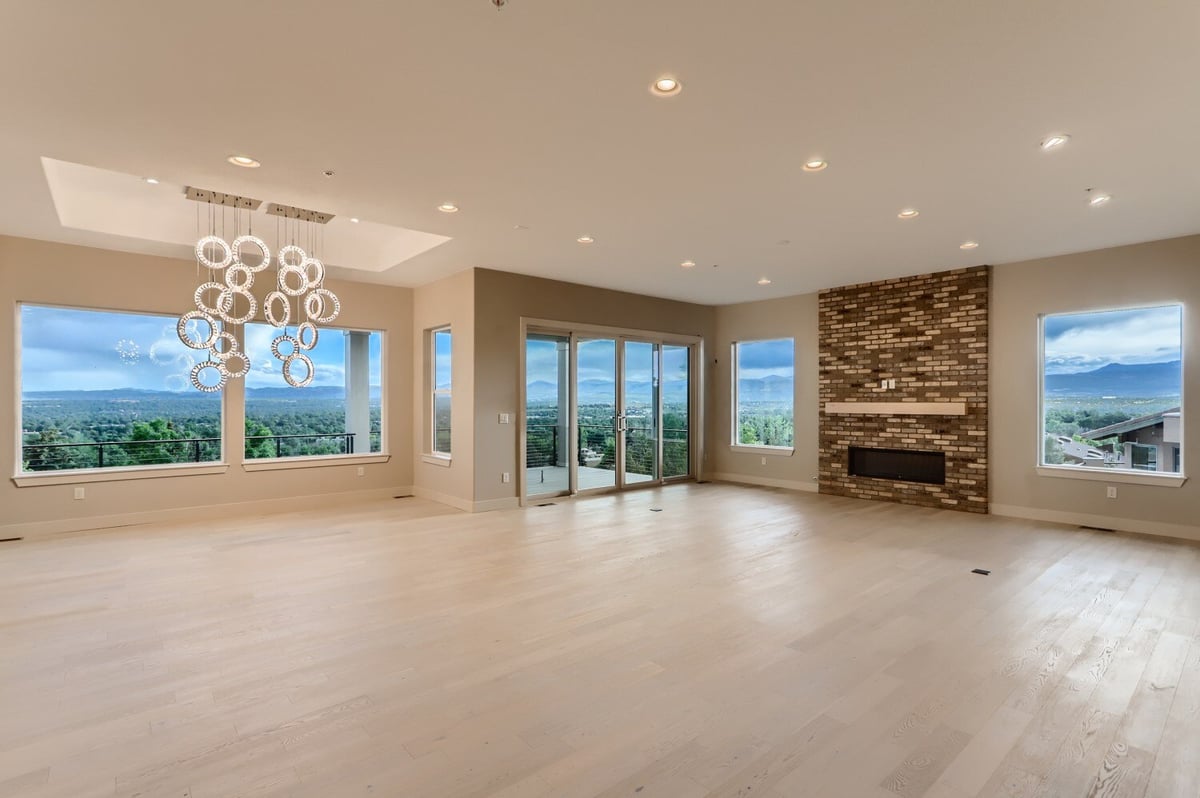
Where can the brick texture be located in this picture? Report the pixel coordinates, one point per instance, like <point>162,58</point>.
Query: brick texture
<point>928,333</point>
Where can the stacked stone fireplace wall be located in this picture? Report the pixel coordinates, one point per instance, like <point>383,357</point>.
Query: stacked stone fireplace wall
<point>929,333</point>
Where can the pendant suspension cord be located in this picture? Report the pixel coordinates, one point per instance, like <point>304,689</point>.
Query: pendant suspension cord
<point>198,237</point>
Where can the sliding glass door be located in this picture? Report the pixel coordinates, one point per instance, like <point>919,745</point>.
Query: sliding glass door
<point>547,414</point>
<point>606,412</point>
<point>639,421</point>
<point>596,416</point>
<point>676,411</point>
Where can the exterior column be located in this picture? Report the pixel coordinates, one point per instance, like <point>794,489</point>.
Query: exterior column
<point>358,390</point>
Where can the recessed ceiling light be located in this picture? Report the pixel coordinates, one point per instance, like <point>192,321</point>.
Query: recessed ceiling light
<point>968,245</point>
<point>666,86</point>
<point>448,207</point>
<point>763,281</point>
<point>243,160</point>
<point>1055,140</point>
<point>354,219</point>
<point>909,213</point>
<point>1096,200</point>
<point>815,165</point>
<point>688,264</point>
<point>151,180</point>
<point>585,240</point>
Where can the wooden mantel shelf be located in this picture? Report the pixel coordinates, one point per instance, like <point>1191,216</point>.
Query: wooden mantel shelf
<point>897,408</point>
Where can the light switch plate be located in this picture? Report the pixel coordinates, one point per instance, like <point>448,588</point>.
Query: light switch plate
<point>504,418</point>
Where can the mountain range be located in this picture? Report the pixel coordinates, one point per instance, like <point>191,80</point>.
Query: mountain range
<point>134,394</point>
<point>1119,379</point>
<point>765,389</point>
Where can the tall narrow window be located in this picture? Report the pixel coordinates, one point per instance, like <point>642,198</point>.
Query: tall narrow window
<point>764,393</point>
<point>440,357</point>
<point>340,412</point>
<point>1112,386</point>
<point>101,389</point>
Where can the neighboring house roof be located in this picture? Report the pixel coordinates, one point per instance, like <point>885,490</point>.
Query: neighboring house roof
<point>1129,426</point>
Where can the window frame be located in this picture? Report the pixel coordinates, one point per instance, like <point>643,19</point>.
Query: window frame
<point>316,460</point>
<point>108,473</point>
<point>1118,475</point>
<point>735,443</point>
<point>435,393</point>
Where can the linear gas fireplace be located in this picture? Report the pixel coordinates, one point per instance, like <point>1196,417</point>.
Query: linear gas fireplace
<point>898,464</point>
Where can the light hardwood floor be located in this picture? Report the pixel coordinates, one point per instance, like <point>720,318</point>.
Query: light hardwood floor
<point>741,642</point>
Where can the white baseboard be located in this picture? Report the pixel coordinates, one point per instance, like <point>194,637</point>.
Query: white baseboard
<point>767,482</point>
<point>509,503</point>
<point>1160,528</point>
<point>35,529</point>
<point>466,505</point>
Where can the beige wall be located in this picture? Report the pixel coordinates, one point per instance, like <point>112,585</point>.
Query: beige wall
<point>790,317</point>
<point>48,273</point>
<point>449,302</point>
<point>1144,274</point>
<point>504,299</point>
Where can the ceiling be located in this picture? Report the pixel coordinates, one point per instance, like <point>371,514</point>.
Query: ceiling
<point>537,121</point>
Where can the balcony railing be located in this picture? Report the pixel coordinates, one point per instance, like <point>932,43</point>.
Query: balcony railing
<point>541,447</point>
<point>113,454</point>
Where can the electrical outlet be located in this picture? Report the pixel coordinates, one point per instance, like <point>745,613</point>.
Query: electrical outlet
<point>504,418</point>
<point>1112,492</point>
<point>505,477</point>
<point>883,385</point>
<point>362,472</point>
<point>80,493</point>
<point>764,461</point>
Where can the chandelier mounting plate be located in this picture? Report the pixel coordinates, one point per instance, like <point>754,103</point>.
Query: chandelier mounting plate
<point>303,214</point>
<point>221,198</point>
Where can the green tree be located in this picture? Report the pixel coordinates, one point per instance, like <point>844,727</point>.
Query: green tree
<point>150,453</point>
<point>256,449</point>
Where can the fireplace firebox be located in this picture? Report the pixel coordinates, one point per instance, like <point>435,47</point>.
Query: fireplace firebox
<point>898,464</point>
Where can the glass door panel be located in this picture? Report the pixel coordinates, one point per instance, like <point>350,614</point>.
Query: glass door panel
<point>547,414</point>
<point>596,413</point>
<point>676,411</point>
<point>639,410</point>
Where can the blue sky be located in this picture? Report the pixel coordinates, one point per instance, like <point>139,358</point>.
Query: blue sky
<point>775,358</point>
<point>443,346</point>
<point>84,350</point>
<point>597,361</point>
<point>1077,342</point>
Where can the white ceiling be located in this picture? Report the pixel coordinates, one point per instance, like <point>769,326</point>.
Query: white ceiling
<point>539,115</point>
<point>102,201</point>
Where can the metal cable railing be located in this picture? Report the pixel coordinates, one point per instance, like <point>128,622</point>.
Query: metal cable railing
<point>115,454</point>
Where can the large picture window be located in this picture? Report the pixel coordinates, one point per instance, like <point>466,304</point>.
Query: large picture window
<point>103,389</point>
<point>440,357</point>
<point>339,413</point>
<point>764,393</point>
<point>1112,389</point>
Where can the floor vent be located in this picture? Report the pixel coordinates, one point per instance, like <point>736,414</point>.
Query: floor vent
<point>545,504</point>
<point>10,540</point>
<point>1098,528</point>
<point>656,509</point>
<point>409,496</point>
<point>981,572</point>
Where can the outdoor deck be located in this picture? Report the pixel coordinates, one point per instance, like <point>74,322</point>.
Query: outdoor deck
<point>554,479</point>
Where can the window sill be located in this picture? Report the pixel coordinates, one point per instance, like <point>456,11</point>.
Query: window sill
<point>1161,479</point>
<point>82,475</point>
<point>442,460</point>
<point>320,461</point>
<point>772,451</point>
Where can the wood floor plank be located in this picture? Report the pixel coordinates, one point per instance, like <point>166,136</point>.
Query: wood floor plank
<point>743,641</point>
